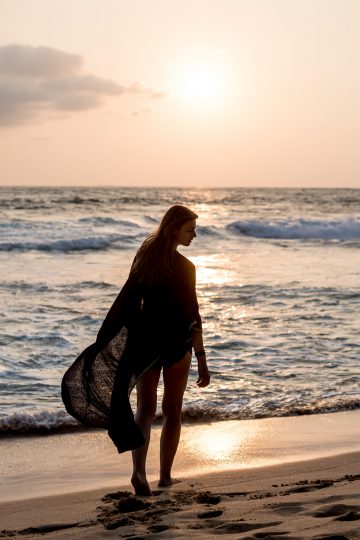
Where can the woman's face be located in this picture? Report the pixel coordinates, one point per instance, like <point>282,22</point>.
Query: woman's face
<point>186,233</point>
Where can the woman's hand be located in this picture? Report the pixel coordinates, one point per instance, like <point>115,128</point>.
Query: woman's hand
<point>204,374</point>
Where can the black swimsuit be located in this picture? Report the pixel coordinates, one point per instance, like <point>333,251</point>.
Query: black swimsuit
<point>162,330</point>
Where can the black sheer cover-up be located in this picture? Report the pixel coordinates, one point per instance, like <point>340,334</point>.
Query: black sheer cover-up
<point>145,327</point>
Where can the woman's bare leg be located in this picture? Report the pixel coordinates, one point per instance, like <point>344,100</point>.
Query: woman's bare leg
<point>146,390</point>
<point>175,380</point>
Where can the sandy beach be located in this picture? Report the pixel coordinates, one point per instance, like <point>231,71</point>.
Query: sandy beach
<point>296,477</point>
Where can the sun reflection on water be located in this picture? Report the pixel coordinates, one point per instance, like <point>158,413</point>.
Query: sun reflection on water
<point>225,445</point>
<point>211,271</point>
<point>220,448</point>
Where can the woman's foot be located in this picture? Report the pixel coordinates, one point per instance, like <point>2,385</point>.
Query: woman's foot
<point>140,485</point>
<point>166,482</point>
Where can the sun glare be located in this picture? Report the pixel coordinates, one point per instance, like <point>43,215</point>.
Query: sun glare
<point>223,445</point>
<point>201,82</point>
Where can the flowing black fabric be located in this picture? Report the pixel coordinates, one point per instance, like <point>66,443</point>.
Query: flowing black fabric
<point>145,327</point>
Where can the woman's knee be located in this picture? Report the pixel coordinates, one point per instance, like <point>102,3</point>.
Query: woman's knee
<point>171,409</point>
<point>146,407</point>
<point>147,395</point>
<point>175,380</point>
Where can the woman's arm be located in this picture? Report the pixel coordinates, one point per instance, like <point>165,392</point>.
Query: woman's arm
<point>192,314</point>
<point>198,345</point>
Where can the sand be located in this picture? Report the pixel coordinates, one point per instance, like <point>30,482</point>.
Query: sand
<point>295,478</point>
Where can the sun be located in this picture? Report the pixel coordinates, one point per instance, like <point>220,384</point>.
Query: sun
<point>201,82</point>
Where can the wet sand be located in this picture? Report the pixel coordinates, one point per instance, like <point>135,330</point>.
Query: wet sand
<point>284,478</point>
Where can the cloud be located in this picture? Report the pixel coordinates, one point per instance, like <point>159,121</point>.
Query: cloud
<point>38,80</point>
<point>24,61</point>
<point>139,88</point>
<point>141,111</point>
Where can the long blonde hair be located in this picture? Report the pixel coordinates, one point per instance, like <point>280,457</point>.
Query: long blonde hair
<point>156,257</point>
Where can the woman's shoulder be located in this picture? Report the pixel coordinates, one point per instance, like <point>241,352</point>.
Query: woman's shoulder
<point>184,261</point>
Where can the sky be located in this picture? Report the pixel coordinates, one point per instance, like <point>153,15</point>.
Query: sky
<point>215,93</point>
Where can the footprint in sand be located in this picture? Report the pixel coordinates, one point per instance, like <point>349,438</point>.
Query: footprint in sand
<point>243,526</point>
<point>208,498</point>
<point>123,508</point>
<point>333,498</point>
<point>304,488</point>
<point>275,535</point>
<point>336,510</point>
<point>287,508</point>
<point>330,537</point>
<point>349,516</point>
<point>158,528</point>
<point>43,529</point>
<point>210,514</point>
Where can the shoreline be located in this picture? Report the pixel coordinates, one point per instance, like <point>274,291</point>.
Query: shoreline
<point>81,461</point>
<point>9,431</point>
<point>292,477</point>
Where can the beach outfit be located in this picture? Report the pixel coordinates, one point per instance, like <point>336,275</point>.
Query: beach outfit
<point>145,327</point>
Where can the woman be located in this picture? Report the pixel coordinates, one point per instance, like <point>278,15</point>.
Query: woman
<point>153,324</point>
<point>169,305</point>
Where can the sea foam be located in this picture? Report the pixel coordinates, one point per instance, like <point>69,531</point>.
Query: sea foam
<point>94,243</point>
<point>301,228</point>
<point>51,422</point>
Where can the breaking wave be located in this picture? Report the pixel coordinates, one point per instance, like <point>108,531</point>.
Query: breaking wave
<point>208,413</point>
<point>40,423</point>
<point>340,229</point>
<point>46,422</point>
<point>94,243</point>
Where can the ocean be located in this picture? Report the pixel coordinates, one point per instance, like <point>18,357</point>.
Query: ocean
<point>278,281</point>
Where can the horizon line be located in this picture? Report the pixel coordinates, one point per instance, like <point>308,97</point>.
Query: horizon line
<point>157,186</point>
